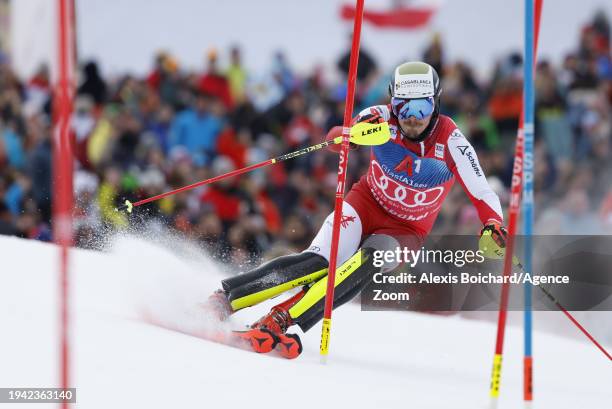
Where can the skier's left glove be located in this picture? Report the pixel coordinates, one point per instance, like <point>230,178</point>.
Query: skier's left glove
<point>492,241</point>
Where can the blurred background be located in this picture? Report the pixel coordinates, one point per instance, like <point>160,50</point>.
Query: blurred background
<point>169,94</point>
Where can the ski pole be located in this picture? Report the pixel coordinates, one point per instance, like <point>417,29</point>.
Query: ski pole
<point>342,166</point>
<point>566,312</point>
<point>360,134</point>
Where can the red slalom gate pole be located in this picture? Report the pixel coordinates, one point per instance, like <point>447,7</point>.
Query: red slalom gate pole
<point>342,166</point>
<point>62,176</point>
<point>514,210</point>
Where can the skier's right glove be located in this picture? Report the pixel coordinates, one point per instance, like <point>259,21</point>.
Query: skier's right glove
<point>333,134</point>
<point>371,118</point>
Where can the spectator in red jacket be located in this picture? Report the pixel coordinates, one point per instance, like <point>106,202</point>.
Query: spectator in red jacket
<point>214,83</point>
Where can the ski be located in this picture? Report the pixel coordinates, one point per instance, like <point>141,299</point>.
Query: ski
<point>259,340</point>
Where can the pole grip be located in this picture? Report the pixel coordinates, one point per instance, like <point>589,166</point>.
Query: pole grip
<point>126,206</point>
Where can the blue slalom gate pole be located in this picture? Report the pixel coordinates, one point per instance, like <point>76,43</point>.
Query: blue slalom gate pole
<point>528,106</point>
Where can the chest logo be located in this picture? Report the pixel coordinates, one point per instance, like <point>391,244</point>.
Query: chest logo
<point>439,153</point>
<point>393,131</point>
<point>401,194</point>
<point>405,166</point>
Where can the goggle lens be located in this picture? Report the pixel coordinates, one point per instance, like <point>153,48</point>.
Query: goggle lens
<point>420,108</point>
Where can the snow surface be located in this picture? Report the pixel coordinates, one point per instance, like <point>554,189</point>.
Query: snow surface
<point>377,359</point>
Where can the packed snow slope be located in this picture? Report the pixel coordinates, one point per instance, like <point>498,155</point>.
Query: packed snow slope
<point>377,359</point>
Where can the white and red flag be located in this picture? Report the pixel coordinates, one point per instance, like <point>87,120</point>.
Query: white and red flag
<point>398,14</point>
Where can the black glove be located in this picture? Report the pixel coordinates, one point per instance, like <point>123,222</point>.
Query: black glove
<point>371,118</point>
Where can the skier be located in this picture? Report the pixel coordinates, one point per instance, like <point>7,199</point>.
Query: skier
<point>395,203</point>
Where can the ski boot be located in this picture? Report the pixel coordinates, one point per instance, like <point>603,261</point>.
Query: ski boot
<point>276,322</point>
<point>261,340</point>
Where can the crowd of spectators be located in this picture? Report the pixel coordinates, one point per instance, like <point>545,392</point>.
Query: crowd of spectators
<point>137,137</point>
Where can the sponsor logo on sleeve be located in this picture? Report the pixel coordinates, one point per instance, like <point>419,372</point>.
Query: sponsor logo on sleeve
<point>346,220</point>
<point>457,134</point>
<point>470,155</point>
<point>462,148</point>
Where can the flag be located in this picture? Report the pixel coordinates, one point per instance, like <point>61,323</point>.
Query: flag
<point>402,17</point>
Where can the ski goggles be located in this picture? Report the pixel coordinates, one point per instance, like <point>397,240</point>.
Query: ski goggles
<point>420,108</point>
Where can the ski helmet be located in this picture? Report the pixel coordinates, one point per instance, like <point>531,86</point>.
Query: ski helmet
<point>415,80</point>
<point>419,82</point>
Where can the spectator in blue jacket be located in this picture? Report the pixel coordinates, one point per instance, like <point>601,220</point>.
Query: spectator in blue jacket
<point>197,130</point>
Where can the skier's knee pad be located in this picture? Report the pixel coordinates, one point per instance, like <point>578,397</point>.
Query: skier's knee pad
<point>273,278</point>
<point>351,278</point>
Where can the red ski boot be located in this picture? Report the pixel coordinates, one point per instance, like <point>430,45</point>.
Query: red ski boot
<point>277,321</point>
<point>289,345</point>
<point>265,335</point>
<point>262,340</point>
